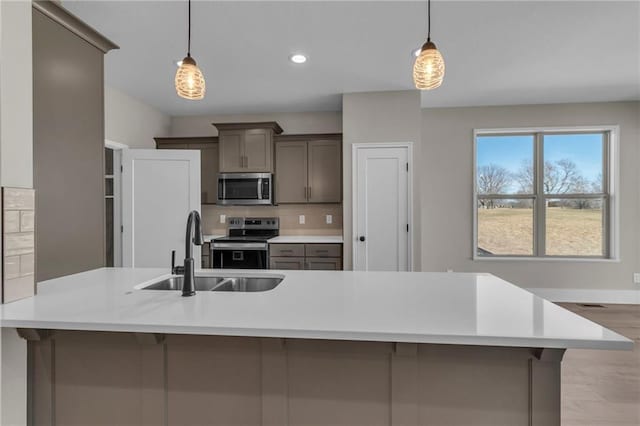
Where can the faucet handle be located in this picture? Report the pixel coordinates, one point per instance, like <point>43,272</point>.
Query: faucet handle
<point>175,270</point>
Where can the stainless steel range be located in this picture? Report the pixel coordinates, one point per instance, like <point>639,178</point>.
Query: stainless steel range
<point>246,245</point>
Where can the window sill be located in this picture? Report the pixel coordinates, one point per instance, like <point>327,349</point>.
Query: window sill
<point>546,259</point>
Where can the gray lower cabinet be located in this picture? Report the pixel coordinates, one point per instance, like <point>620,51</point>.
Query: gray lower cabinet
<point>308,170</point>
<point>291,263</point>
<point>205,256</point>
<point>316,257</point>
<point>323,264</point>
<point>209,164</point>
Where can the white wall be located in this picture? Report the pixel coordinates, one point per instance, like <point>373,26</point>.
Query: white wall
<point>447,192</point>
<point>291,123</point>
<point>16,169</point>
<point>16,95</point>
<point>132,122</point>
<point>380,117</point>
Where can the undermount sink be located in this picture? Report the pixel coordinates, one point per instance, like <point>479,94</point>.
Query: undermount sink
<point>229,283</point>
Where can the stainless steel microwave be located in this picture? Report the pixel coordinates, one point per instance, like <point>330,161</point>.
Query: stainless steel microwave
<point>245,189</point>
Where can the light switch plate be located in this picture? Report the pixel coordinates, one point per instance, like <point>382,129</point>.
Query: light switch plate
<point>636,277</point>
<point>301,219</point>
<point>223,218</point>
<point>329,219</point>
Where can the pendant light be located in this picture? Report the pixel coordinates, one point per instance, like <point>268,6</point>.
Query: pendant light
<point>428,70</point>
<point>189,78</point>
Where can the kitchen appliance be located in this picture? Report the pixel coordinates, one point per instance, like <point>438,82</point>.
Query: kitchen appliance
<point>245,189</point>
<point>246,245</point>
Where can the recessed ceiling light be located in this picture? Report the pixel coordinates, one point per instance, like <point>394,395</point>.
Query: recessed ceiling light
<point>298,58</point>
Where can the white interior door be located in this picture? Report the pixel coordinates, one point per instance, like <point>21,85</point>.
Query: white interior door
<point>381,210</point>
<point>159,189</point>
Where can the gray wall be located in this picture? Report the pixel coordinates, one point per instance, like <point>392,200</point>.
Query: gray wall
<point>68,114</point>
<point>381,117</point>
<point>447,157</point>
<point>132,122</point>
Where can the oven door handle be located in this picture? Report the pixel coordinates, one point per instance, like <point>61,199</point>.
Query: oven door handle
<point>239,247</point>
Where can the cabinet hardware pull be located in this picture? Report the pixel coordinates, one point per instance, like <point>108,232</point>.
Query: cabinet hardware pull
<point>309,193</point>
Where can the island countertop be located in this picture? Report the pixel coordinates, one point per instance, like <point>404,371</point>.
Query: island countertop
<point>415,307</point>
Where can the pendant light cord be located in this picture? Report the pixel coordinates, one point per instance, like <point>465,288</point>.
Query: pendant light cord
<point>189,36</point>
<point>428,20</point>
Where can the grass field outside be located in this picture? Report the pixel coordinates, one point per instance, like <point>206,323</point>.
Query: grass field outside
<point>569,232</point>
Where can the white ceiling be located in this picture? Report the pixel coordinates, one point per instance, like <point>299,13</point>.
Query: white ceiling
<point>497,53</point>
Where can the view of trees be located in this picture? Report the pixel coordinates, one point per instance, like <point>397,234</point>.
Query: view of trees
<point>560,177</point>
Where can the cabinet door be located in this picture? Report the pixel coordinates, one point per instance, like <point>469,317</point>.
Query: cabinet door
<point>286,250</point>
<point>325,171</point>
<point>323,250</point>
<point>291,172</point>
<point>208,171</point>
<point>291,263</point>
<point>231,151</point>
<point>258,150</point>
<point>323,264</point>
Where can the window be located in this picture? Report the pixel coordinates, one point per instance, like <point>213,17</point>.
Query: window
<point>545,193</point>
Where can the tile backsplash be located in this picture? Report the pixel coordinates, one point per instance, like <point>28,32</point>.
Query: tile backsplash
<point>18,243</point>
<point>315,218</point>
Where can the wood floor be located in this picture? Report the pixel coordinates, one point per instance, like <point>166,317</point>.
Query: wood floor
<point>602,388</point>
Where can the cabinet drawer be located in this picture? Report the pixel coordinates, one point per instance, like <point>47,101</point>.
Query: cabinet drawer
<point>323,250</point>
<point>286,250</point>
<point>323,264</point>
<point>292,263</point>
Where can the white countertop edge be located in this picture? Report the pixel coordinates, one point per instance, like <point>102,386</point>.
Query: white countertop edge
<point>575,295</point>
<point>626,345</point>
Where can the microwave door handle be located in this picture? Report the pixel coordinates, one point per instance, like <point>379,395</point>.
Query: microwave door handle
<point>259,188</point>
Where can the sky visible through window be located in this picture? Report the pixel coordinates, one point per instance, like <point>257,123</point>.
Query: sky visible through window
<point>513,152</point>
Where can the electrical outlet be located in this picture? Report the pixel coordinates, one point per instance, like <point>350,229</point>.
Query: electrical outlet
<point>449,270</point>
<point>223,218</point>
<point>301,219</point>
<point>636,277</point>
<point>329,219</point>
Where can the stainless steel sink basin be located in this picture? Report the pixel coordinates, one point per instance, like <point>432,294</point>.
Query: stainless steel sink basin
<point>248,284</point>
<point>175,283</point>
<point>243,283</point>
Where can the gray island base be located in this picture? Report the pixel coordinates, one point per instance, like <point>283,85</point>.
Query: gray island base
<point>107,378</point>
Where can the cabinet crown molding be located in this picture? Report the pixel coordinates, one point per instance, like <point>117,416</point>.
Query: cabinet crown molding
<point>249,125</point>
<point>62,16</point>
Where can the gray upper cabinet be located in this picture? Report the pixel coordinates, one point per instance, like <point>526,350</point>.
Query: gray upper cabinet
<point>208,147</point>
<point>291,172</point>
<point>309,169</point>
<point>325,171</point>
<point>247,147</point>
<point>231,151</point>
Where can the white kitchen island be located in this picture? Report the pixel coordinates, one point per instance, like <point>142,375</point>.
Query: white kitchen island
<point>322,348</point>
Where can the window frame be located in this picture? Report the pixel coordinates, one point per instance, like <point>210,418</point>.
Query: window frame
<point>609,197</point>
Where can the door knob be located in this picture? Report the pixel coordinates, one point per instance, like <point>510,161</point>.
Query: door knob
<point>362,238</point>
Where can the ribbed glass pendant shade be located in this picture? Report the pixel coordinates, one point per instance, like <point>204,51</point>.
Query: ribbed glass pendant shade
<point>190,80</point>
<point>428,70</point>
